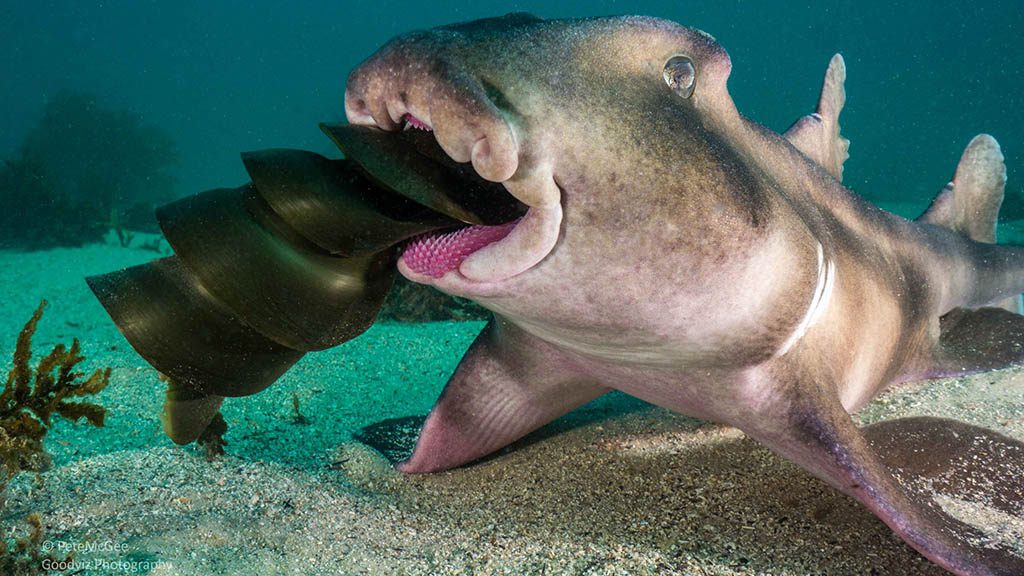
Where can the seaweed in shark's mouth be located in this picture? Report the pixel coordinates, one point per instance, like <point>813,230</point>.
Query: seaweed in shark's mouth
<point>412,165</point>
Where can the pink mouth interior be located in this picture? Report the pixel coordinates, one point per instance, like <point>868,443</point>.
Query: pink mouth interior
<point>436,253</point>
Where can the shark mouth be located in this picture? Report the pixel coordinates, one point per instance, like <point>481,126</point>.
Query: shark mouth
<point>434,254</point>
<point>478,230</point>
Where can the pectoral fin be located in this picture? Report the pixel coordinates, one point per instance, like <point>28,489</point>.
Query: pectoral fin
<point>954,459</point>
<point>507,385</point>
<point>817,135</point>
<point>805,422</point>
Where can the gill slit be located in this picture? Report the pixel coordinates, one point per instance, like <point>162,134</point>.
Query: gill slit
<point>819,301</point>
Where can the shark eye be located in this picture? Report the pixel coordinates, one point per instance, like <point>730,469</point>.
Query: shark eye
<point>680,75</point>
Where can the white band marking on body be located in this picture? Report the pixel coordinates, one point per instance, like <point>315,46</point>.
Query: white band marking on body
<point>819,302</point>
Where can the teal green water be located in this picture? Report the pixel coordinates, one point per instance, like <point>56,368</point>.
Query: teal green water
<point>924,77</point>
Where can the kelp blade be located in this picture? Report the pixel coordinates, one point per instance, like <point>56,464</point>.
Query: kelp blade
<point>411,163</point>
<point>332,204</point>
<point>179,328</point>
<point>275,281</point>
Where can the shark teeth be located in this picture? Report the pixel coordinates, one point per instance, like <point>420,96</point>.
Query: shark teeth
<point>414,122</point>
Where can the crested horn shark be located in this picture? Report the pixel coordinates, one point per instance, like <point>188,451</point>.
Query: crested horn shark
<point>592,183</point>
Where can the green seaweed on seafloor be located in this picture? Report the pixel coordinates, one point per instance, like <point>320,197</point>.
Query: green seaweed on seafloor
<point>297,416</point>
<point>28,403</point>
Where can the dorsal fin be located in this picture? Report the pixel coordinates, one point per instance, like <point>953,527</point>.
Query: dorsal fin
<point>817,135</point>
<point>970,203</point>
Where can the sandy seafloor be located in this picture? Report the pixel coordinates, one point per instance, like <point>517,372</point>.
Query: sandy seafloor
<point>617,487</point>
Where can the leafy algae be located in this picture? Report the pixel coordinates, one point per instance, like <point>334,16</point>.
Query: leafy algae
<point>28,403</point>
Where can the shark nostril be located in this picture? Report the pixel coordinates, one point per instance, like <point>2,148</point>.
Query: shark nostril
<point>357,110</point>
<point>360,107</point>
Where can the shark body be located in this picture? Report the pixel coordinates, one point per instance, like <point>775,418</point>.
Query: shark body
<point>685,255</point>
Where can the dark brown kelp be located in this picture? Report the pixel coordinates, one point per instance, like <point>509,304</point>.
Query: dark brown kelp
<point>298,260</point>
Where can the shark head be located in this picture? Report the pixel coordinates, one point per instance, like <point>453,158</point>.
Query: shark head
<point>597,126</point>
<point>612,133</point>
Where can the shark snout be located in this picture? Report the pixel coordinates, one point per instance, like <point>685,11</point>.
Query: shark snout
<point>402,86</point>
<point>416,83</point>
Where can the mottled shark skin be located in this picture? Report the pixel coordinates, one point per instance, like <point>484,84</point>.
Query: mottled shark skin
<point>679,252</point>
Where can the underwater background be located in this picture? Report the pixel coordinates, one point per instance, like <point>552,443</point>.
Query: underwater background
<point>111,108</point>
<point>224,77</point>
